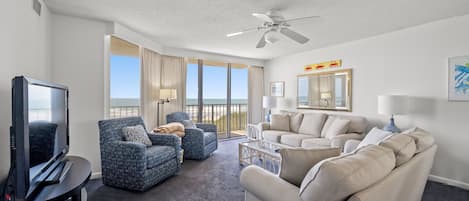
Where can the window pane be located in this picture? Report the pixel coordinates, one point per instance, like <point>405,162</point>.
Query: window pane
<point>192,90</point>
<point>239,101</point>
<point>214,94</point>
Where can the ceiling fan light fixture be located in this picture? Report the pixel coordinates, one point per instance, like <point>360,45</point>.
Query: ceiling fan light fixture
<point>271,37</point>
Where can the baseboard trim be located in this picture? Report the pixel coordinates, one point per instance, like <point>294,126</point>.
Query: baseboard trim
<point>450,182</point>
<point>96,175</point>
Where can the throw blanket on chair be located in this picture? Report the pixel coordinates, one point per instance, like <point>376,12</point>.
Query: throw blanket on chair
<point>171,128</point>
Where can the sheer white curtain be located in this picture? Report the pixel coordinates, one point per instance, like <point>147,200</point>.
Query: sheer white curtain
<point>150,86</point>
<point>173,76</point>
<point>255,93</point>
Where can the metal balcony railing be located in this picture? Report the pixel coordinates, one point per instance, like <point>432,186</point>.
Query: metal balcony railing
<point>217,114</point>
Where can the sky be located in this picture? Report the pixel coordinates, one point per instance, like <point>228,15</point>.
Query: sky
<point>125,80</point>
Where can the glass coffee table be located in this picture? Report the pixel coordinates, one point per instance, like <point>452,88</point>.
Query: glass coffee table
<point>262,153</point>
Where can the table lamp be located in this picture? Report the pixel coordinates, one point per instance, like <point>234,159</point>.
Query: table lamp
<point>269,102</point>
<point>392,105</point>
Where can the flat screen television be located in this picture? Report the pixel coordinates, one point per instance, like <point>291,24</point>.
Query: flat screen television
<point>39,132</point>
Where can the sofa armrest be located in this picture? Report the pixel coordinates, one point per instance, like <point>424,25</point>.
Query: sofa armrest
<point>266,186</point>
<point>125,155</point>
<point>351,145</point>
<point>207,127</point>
<point>339,140</point>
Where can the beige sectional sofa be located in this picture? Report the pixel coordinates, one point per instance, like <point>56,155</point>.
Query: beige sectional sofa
<point>395,169</point>
<point>310,130</point>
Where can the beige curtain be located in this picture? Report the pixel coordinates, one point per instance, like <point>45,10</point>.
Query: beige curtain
<point>173,76</point>
<point>255,93</point>
<point>150,86</point>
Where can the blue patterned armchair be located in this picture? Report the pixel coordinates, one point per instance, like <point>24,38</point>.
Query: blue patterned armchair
<point>198,143</point>
<point>131,165</point>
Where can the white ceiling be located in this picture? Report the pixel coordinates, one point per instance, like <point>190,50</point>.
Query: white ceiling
<point>202,24</point>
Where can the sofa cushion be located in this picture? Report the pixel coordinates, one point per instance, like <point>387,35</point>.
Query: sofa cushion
<point>274,136</point>
<point>338,126</point>
<point>209,137</point>
<point>295,121</point>
<point>339,177</point>
<point>157,155</point>
<point>357,124</point>
<point>422,138</point>
<point>136,134</point>
<point>312,124</point>
<point>316,143</point>
<point>327,124</point>
<point>402,145</point>
<point>294,140</point>
<point>280,122</point>
<point>297,162</point>
<point>375,136</point>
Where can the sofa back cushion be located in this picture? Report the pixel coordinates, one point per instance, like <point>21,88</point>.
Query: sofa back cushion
<point>312,124</point>
<point>402,145</point>
<point>337,178</point>
<point>295,121</point>
<point>357,124</point>
<point>297,162</point>
<point>337,127</point>
<point>423,139</point>
<point>280,122</point>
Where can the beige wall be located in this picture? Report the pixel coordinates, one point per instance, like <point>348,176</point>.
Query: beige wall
<point>24,50</point>
<point>411,61</point>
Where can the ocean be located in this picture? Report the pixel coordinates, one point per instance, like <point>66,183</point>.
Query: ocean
<point>121,102</point>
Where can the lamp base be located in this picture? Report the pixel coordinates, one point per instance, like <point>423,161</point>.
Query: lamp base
<point>391,127</point>
<point>267,116</point>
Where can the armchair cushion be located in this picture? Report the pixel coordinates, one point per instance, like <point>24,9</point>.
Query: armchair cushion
<point>297,162</point>
<point>157,155</point>
<point>136,134</point>
<point>124,155</point>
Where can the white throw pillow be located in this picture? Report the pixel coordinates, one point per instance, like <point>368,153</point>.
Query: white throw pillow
<point>329,121</point>
<point>375,136</point>
<point>280,122</point>
<point>338,126</point>
<point>312,124</point>
<point>136,134</point>
<point>295,121</point>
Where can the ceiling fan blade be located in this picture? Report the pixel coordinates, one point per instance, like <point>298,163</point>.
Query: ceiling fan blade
<point>294,35</point>
<point>263,17</point>
<point>242,32</point>
<point>301,18</point>
<point>261,42</point>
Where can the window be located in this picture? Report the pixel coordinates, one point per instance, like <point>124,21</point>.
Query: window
<point>124,79</point>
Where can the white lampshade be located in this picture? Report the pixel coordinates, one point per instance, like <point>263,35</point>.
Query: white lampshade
<point>393,104</point>
<point>168,94</point>
<point>269,102</point>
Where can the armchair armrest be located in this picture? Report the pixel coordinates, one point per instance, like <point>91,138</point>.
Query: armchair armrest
<point>128,156</point>
<point>267,186</point>
<point>193,136</point>
<point>167,140</point>
<point>351,145</point>
<point>339,140</point>
<point>207,127</point>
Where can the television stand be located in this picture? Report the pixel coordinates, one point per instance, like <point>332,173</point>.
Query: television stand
<point>69,183</point>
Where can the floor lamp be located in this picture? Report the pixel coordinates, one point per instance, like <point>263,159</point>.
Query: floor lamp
<point>166,96</point>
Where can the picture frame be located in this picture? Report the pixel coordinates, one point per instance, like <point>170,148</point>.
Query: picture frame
<point>458,78</point>
<point>277,89</point>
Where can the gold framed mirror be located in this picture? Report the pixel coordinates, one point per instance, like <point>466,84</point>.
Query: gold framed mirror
<point>330,90</point>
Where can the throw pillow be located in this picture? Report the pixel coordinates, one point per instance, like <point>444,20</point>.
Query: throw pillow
<point>136,134</point>
<point>329,121</point>
<point>339,126</point>
<point>295,121</point>
<point>188,124</point>
<point>280,122</point>
<point>312,124</point>
<point>403,146</point>
<point>375,136</point>
<point>339,177</point>
<point>297,162</point>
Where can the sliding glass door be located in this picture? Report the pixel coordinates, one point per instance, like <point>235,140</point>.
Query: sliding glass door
<point>217,94</point>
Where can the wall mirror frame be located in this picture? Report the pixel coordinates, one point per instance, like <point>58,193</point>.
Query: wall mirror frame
<point>325,90</point>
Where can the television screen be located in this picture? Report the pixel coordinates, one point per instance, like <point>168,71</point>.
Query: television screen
<point>39,132</point>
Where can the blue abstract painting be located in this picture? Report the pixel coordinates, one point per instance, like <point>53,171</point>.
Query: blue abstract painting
<point>458,79</point>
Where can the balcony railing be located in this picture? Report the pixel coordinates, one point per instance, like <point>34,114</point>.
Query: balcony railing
<point>217,113</point>
<point>124,111</point>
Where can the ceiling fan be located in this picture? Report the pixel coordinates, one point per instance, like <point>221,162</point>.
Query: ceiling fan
<point>274,24</point>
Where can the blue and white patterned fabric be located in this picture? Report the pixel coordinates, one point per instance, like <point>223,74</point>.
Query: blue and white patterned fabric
<point>198,143</point>
<point>132,165</point>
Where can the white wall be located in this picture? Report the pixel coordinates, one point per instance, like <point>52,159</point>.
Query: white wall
<point>25,39</point>
<point>78,62</point>
<point>411,61</point>
<point>211,56</point>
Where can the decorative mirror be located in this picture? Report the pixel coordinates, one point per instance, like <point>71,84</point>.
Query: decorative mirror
<point>331,90</point>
